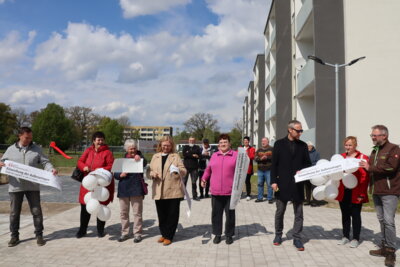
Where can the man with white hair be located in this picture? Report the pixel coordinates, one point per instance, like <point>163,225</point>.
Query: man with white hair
<point>383,168</point>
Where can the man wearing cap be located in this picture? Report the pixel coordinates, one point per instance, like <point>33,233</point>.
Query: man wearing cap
<point>383,168</point>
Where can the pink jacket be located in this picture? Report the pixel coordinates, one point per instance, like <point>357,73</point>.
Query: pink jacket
<point>221,171</point>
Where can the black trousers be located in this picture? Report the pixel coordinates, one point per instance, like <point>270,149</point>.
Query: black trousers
<point>308,187</point>
<point>248,184</point>
<point>16,199</point>
<point>168,216</point>
<point>85,218</point>
<point>220,204</point>
<point>194,175</point>
<point>298,218</point>
<point>351,215</point>
<point>207,188</point>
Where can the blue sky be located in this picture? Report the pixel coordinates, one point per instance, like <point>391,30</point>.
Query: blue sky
<point>157,62</point>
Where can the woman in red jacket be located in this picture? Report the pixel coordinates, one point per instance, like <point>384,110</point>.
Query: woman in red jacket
<point>96,156</point>
<point>351,200</point>
<point>251,152</point>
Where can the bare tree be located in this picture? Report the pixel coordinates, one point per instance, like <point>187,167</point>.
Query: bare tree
<point>85,121</point>
<point>239,125</point>
<point>23,119</point>
<point>199,122</point>
<point>124,121</point>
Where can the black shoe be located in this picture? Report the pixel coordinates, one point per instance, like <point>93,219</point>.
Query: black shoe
<point>196,198</point>
<point>101,233</point>
<point>123,238</point>
<point>40,241</point>
<point>306,203</point>
<point>13,241</point>
<point>229,240</point>
<point>258,200</point>
<point>217,239</point>
<point>137,239</point>
<point>207,196</point>
<point>80,234</point>
<point>277,240</point>
<point>298,244</point>
<point>270,201</point>
<point>313,204</point>
<point>201,196</point>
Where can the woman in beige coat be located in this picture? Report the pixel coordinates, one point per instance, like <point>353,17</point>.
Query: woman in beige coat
<point>166,170</point>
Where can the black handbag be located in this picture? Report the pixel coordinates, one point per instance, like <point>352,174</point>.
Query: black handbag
<point>77,175</point>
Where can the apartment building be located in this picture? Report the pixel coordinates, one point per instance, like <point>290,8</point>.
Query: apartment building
<point>336,31</point>
<point>148,133</point>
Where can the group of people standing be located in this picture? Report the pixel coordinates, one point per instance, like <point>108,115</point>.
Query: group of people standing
<point>380,172</point>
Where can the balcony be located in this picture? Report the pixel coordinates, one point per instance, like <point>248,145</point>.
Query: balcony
<point>302,16</point>
<point>270,113</point>
<point>308,135</point>
<point>305,77</point>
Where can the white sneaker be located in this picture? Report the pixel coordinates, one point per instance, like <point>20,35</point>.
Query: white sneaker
<point>248,198</point>
<point>354,243</point>
<point>343,241</point>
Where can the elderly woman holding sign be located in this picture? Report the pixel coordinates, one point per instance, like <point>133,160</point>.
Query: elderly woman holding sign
<point>352,194</point>
<point>97,156</point>
<point>221,171</point>
<point>166,170</point>
<point>131,190</point>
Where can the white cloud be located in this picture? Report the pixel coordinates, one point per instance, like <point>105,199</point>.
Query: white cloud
<point>12,48</point>
<point>84,49</point>
<point>26,96</point>
<point>134,8</point>
<point>239,34</point>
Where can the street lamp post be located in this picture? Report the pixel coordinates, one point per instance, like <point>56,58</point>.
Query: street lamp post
<point>336,66</point>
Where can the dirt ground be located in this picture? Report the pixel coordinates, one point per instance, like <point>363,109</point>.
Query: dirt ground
<point>48,208</point>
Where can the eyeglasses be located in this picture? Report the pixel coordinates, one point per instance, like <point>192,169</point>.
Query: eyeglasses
<point>376,135</point>
<point>298,131</point>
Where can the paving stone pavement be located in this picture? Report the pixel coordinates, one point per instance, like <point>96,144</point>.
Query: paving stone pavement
<point>193,245</point>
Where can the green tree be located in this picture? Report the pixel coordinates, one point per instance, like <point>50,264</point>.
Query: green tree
<point>51,124</point>
<point>181,136</point>
<point>236,138</point>
<point>8,124</point>
<point>113,131</point>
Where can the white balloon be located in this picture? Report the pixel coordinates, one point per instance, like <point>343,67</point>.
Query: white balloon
<point>331,191</point>
<point>93,206</point>
<point>337,157</point>
<point>101,193</point>
<point>104,213</point>
<point>89,182</point>
<point>103,181</point>
<point>319,192</point>
<point>333,182</point>
<point>103,173</point>
<point>87,197</point>
<point>350,181</point>
<point>336,176</point>
<point>322,161</point>
<point>317,181</point>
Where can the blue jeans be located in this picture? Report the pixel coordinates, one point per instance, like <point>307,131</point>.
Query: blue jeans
<point>264,176</point>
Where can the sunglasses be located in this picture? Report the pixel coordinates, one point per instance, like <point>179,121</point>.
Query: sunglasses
<point>298,131</point>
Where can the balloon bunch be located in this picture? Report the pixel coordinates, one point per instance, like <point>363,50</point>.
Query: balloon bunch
<point>96,182</point>
<point>327,186</point>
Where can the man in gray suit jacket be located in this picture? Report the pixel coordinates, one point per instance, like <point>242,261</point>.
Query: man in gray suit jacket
<point>26,152</point>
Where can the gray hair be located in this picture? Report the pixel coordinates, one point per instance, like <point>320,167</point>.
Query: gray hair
<point>382,128</point>
<point>129,143</point>
<point>292,123</point>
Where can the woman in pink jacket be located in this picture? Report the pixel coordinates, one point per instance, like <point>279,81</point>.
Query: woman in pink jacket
<point>220,172</point>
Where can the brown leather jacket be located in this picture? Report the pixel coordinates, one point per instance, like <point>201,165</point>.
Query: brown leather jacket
<point>384,169</point>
